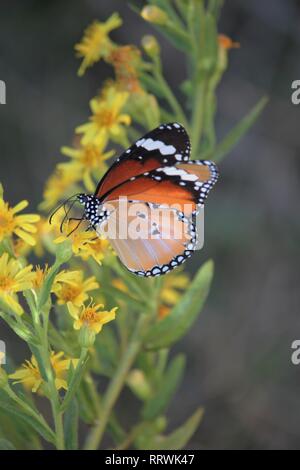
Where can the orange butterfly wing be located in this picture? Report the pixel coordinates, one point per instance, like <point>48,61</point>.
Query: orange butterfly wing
<point>165,145</point>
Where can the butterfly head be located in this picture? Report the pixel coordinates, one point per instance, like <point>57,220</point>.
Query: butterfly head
<point>92,208</point>
<point>82,198</point>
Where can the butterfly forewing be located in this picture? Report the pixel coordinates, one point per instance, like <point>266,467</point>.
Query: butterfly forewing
<point>185,183</point>
<point>168,144</point>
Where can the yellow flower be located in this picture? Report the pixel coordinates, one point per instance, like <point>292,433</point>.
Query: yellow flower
<point>58,186</point>
<point>29,374</point>
<point>106,120</point>
<point>98,249</point>
<point>170,293</point>
<point>92,317</point>
<point>20,225</point>
<point>43,233</point>
<point>74,291</point>
<point>172,284</point>
<point>13,279</point>
<point>80,239</point>
<point>62,277</point>
<point>87,160</point>
<point>95,43</point>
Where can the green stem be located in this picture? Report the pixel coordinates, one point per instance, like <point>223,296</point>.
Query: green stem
<point>115,387</point>
<point>168,93</point>
<point>54,398</point>
<point>59,428</point>
<point>44,351</point>
<point>198,117</point>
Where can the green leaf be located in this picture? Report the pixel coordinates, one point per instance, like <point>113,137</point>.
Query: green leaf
<point>168,8</point>
<point>236,134</point>
<point>6,445</point>
<point>177,439</point>
<point>176,36</point>
<point>20,329</point>
<point>107,352</point>
<point>74,379</point>
<point>86,407</point>
<point>71,426</point>
<point>160,401</point>
<point>33,423</point>
<point>120,295</point>
<point>171,328</point>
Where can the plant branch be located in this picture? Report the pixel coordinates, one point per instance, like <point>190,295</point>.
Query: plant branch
<point>115,387</point>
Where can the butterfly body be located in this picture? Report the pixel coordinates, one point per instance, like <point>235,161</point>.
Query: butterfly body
<point>153,184</point>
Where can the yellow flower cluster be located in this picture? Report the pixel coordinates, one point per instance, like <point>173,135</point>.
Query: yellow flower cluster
<point>119,101</point>
<point>96,43</point>
<point>86,161</point>
<point>107,119</point>
<point>84,243</point>
<point>30,376</point>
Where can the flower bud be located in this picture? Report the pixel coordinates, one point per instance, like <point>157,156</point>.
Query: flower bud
<point>225,44</point>
<point>150,45</point>
<point>139,384</point>
<point>86,337</point>
<point>154,14</point>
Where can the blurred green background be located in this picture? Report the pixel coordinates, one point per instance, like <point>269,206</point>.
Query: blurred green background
<point>239,365</point>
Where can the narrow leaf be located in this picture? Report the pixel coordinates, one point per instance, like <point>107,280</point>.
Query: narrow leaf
<point>236,134</point>
<point>160,401</point>
<point>171,328</point>
<point>37,426</point>
<point>179,438</point>
<point>71,426</point>
<point>6,445</point>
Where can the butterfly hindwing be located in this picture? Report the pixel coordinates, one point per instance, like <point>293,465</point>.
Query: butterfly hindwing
<point>149,239</point>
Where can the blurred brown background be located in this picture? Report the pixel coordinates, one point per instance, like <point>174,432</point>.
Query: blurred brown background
<point>239,365</point>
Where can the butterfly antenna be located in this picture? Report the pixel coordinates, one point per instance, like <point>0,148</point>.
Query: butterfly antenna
<point>75,228</point>
<point>66,214</point>
<point>63,204</point>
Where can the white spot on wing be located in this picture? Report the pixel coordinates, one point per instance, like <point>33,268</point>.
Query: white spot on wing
<point>150,144</point>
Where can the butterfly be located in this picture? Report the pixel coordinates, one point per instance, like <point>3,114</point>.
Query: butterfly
<point>153,184</point>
